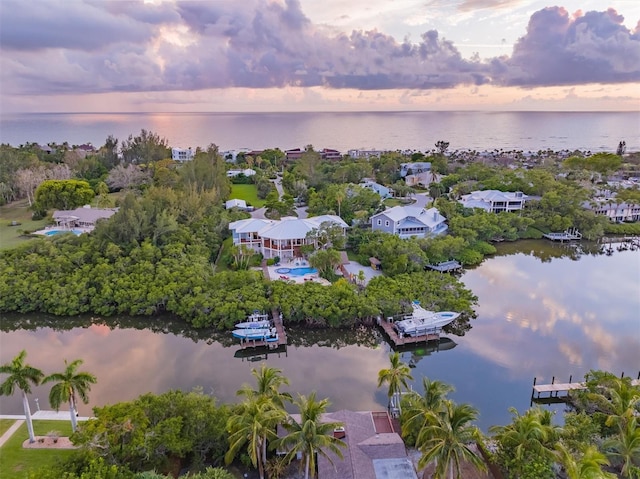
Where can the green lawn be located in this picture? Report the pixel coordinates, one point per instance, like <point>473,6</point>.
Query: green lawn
<point>15,461</point>
<point>18,211</point>
<point>249,193</point>
<point>5,424</point>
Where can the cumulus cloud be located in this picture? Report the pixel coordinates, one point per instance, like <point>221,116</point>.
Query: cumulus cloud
<point>90,46</point>
<point>563,49</point>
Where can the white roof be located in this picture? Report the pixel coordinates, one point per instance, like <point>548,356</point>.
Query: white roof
<point>430,217</point>
<point>235,203</point>
<point>294,228</point>
<point>494,195</point>
<point>250,225</point>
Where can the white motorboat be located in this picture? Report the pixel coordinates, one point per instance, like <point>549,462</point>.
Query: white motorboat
<point>257,334</point>
<point>423,321</point>
<point>255,320</point>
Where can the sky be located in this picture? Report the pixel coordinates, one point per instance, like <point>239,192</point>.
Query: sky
<point>319,55</point>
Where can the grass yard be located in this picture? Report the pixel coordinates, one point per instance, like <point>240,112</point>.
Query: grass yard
<point>16,461</point>
<point>5,424</point>
<point>18,211</point>
<point>249,193</point>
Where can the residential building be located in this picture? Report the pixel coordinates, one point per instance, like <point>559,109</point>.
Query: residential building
<point>495,201</point>
<point>374,450</point>
<point>617,212</point>
<point>382,190</point>
<point>418,174</point>
<point>365,153</point>
<point>85,217</point>
<point>410,221</point>
<point>282,238</point>
<point>414,168</point>
<point>245,172</point>
<point>236,203</point>
<point>182,154</point>
<point>325,154</point>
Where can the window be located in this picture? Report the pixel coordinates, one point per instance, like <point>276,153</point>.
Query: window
<point>379,222</point>
<point>386,223</point>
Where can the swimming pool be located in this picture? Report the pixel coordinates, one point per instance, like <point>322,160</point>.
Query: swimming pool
<point>57,232</point>
<point>296,271</point>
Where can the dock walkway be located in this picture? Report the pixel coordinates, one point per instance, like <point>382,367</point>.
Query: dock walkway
<point>446,266</point>
<point>405,340</point>
<point>282,335</point>
<point>560,390</point>
<point>568,235</point>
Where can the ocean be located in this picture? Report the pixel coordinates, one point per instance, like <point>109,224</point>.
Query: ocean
<point>525,131</point>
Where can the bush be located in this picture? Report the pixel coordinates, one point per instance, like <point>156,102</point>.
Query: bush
<point>38,214</point>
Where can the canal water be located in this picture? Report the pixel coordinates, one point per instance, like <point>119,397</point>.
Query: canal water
<point>544,310</point>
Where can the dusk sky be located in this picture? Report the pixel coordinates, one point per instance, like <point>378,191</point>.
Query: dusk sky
<point>319,55</point>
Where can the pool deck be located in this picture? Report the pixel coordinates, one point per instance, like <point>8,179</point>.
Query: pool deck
<point>273,274</point>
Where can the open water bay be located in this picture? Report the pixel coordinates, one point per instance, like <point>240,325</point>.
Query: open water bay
<point>544,310</point>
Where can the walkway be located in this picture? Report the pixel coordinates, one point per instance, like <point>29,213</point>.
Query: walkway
<point>9,432</point>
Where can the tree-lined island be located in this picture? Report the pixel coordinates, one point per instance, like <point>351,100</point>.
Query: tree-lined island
<point>170,247</point>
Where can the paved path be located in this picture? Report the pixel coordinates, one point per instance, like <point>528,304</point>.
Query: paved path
<point>9,432</point>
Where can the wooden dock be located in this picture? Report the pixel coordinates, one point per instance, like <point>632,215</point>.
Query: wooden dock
<point>282,335</point>
<point>568,235</point>
<point>559,392</point>
<point>446,266</point>
<point>406,340</point>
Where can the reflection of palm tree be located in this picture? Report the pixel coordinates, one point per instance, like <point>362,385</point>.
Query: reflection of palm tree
<point>21,376</point>
<point>310,436</point>
<point>446,440</point>
<point>397,376</point>
<point>69,383</point>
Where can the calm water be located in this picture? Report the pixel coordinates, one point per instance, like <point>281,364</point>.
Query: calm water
<point>541,313</point>
<point>527,131</point>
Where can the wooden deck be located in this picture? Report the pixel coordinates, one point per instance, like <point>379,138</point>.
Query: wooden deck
<point>568,235</point>
<point>561,390</point>
<point>398,341</point>
<point>446,266</point>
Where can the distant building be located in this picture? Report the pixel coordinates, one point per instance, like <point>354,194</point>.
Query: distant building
<point>325,154</point>
<point>84,217</point>
<point>245,172</point>
<point>240,204</point>
<point>410,221</point>
<point>617,212</point>
<point>365,153</point>
<point>414,168</point>
<point>182,154</point>
<point>495,201</point>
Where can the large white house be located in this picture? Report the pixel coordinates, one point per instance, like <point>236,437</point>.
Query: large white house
<point>495,201</point>
<point>182,154</point>
<point>615,211</point>
<point>282,238</point>
<point>408,221</point>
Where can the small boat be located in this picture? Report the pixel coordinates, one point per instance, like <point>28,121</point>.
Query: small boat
<point>257,334</point>
<point>423,321</point>
<point>255,320</point>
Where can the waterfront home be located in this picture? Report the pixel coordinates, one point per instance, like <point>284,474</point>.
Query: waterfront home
<point>85,217</point>
<point>617,212</point>
<point>282,238</point>
<point>382,190</point>
<point>495,201</point>
<point>418,174</point>
<point>374,449</point>
<point>182,154</point>
<point>408,221</point>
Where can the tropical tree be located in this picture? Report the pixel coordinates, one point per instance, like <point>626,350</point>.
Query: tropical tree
<point>269,380</point>
<point>587,466</point>
<point>397,377</point>
<point>311,436</point>
<point>252,425</point>
<point>624,449</point>
<point>69,384</point>
<point>419,410</point>
<point>447,440</point>
<point>21,376</point>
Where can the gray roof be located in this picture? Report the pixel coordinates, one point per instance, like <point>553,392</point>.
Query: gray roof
<point>250,225</point>
<point>85,214</point>
<point>368,454</point>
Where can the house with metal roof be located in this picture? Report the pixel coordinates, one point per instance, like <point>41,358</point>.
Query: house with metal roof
<point>495,201</point>
<point>410,221</point>
<point>282,238</point>
<point>382,190</point>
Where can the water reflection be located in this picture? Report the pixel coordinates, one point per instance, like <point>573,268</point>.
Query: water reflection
<point>543,311</point>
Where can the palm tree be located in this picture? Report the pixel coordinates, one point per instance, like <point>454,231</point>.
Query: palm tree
<point>446,440</point>
<point>22,376</point>
<point>625,447</point>
<point>419,410</point>
<point>396,376</point>
<point>310,436</point>
<point>268,381</point>
<point>70,383</point>
<point>587,466</point>
<point>252,424</point>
